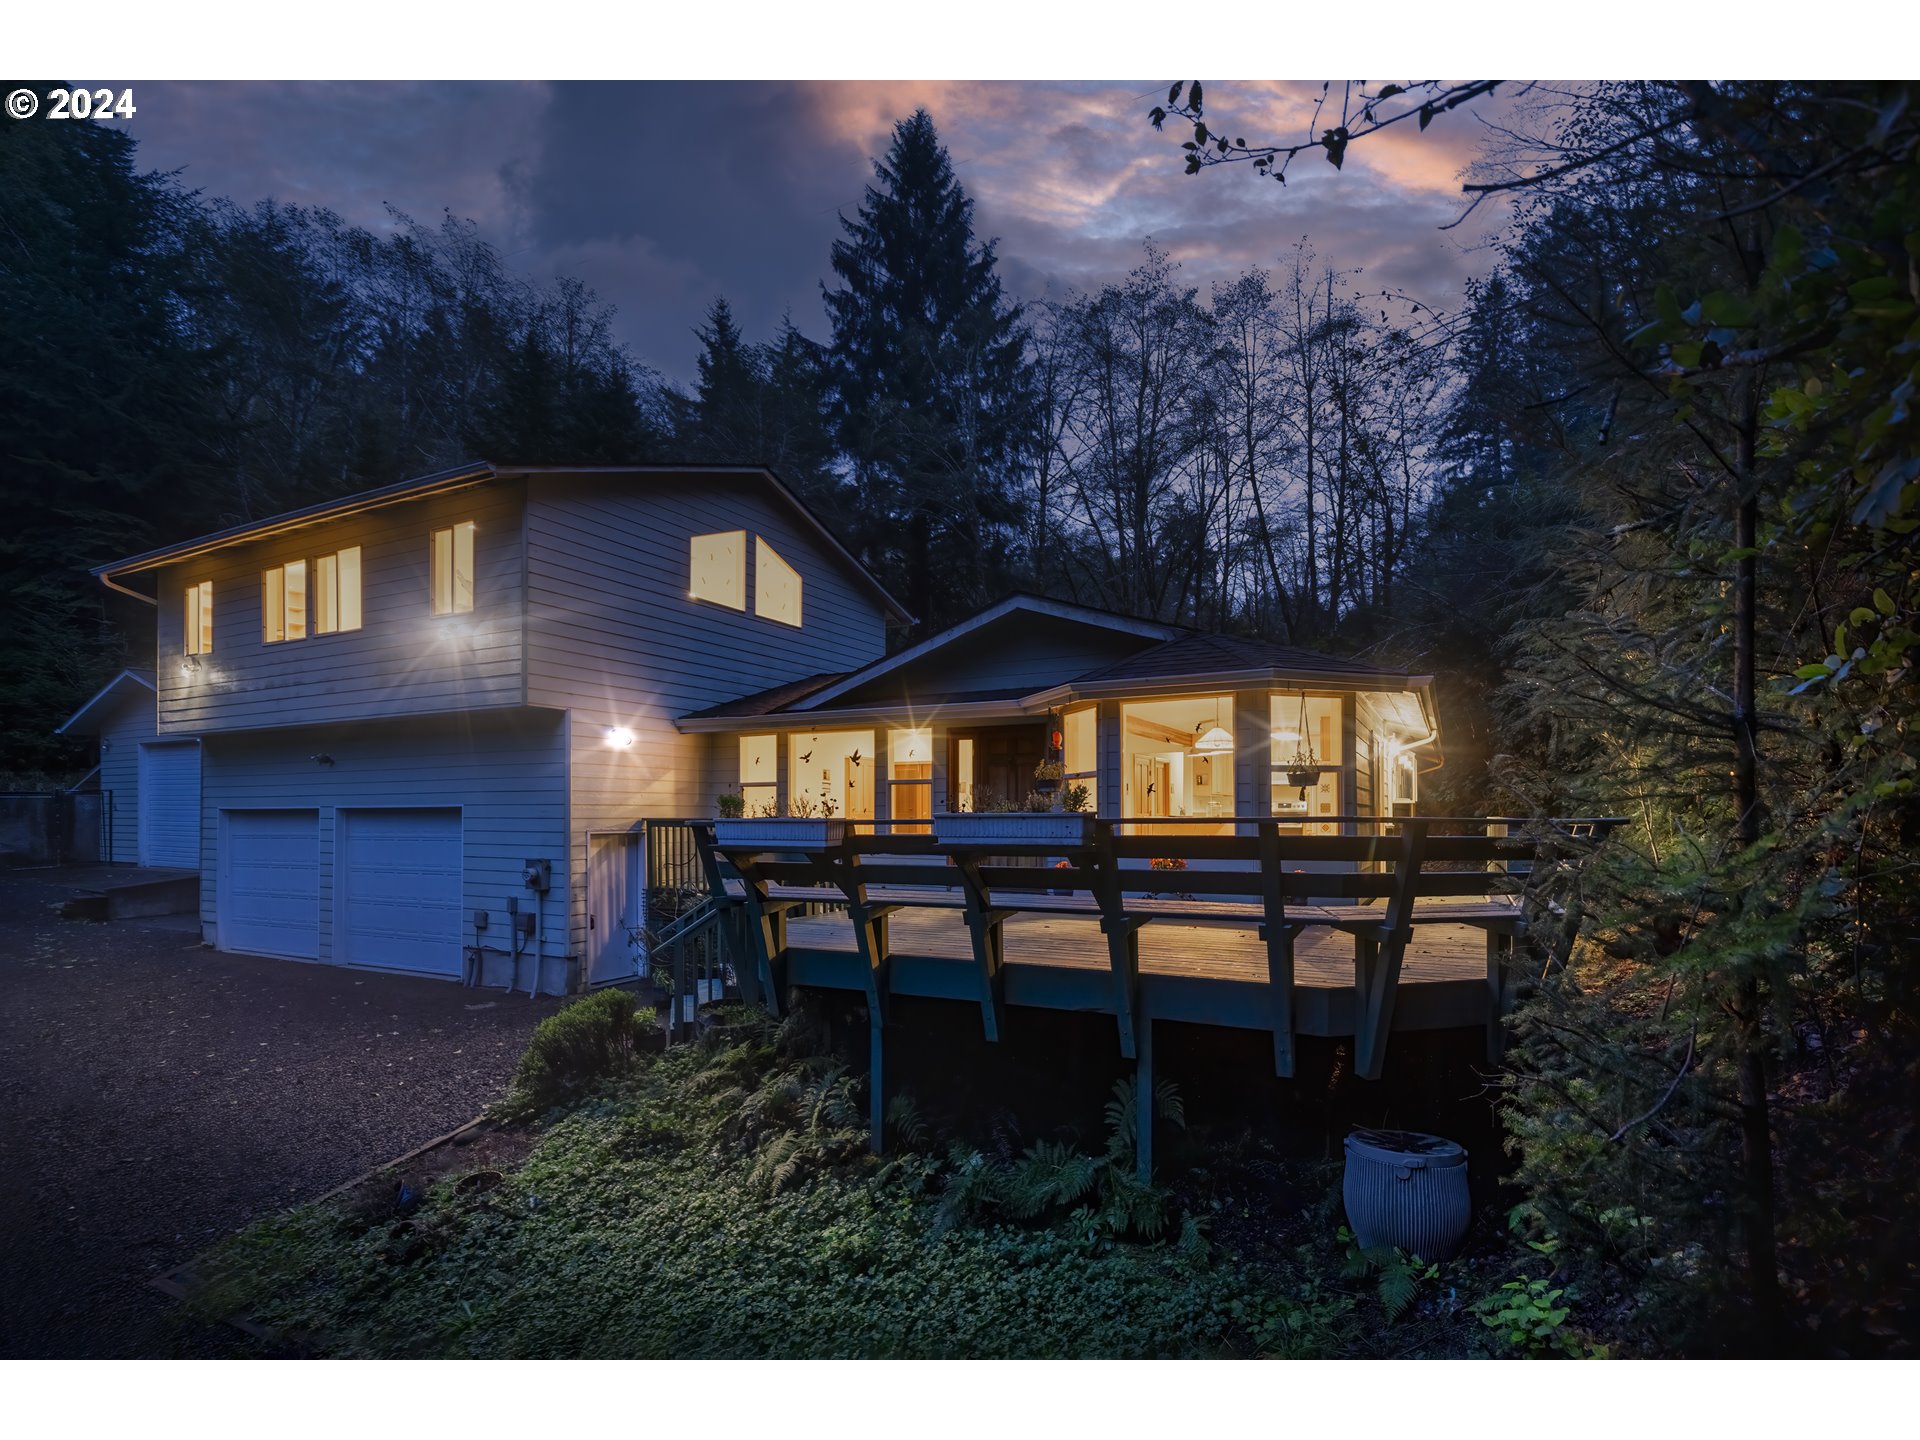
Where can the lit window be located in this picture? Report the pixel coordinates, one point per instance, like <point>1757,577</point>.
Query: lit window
<point>776,585</point>
<point>1080,752</point>
<point>1304,757</point>
<point>719,569</point>
<point>283,602</point>
<point>910,781</point>
<point>197,631</point>
<point>336,591</point>
<point>760,773</point>
<point>452,569</point>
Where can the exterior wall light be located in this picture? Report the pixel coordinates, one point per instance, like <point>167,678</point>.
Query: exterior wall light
<point>620,738</point>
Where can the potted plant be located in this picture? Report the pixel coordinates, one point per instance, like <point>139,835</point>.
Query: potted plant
<point>1047,776</point>
<point>809,824</point>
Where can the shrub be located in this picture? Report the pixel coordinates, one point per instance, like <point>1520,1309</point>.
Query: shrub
<point>731,805</point>
<point>589,1039</point>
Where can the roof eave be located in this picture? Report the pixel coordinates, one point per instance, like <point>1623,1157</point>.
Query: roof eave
<point>1227,680</point>
<point>912,715</point>
<point>80,715</point>
<point>477,473</point>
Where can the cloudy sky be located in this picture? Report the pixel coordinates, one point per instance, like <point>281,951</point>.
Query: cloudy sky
<point>663,195</point>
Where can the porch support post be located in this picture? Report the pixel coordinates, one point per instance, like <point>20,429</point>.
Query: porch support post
<point>1143,1102</point>
<point>1252,755</point>
<point>1377,958</point>
<point>1107,741</point>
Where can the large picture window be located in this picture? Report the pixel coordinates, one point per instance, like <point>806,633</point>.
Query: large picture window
<point>283,602</point>
<point>1176,761</point>
<point>834,769</point>
<point>776,585</point>
<point>453,569</point>
<point>197,624</point>
<point>718,569</point>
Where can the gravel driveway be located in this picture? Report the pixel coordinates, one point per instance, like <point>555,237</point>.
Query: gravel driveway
<point>155,1095</point>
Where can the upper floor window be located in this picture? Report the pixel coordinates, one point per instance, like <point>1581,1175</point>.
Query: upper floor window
<point>453,569</point>
<point>283,602</point>
<point>776,585</point>
<point>197,629</point>
<point>336,591</point>
<point>718,565</point>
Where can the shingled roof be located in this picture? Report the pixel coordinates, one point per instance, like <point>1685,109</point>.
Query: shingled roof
<point>1206,654</point>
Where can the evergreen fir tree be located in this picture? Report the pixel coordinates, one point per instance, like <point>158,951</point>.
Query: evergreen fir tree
<point>932,399</point>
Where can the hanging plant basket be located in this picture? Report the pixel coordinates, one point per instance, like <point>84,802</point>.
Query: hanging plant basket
<point>1305,776</point>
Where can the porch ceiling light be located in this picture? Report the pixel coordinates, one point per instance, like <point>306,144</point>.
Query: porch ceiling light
<point>1214,739</point>
<point>620,738</point>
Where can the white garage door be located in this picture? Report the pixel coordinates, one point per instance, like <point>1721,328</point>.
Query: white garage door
<point>269,888</point>
<point>400,900</point>
<point>170,804</point>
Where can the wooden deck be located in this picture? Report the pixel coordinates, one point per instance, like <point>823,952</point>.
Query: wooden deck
<point>1323,958</point>
<point>1210,973</point>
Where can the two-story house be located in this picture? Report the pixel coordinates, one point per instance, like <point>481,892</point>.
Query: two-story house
<point>427,712</point>
<point>422,728</point>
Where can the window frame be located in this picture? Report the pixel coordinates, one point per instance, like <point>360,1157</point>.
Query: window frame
<point>277,615</point>
<point>921,824</point>
<point>762,553</point>
<point>443,586</point>
<point>739,577</point>
<point>196,621</point>
<point>330,593</point>
<point>756,802</point>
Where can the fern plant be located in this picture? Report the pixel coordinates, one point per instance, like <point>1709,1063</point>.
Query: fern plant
<point>1400,1275</point>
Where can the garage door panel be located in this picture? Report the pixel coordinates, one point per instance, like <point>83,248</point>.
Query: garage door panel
<point>269,891</point>
<point>401,901</point>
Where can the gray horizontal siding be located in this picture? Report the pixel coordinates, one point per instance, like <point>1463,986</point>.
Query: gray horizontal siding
<point>614,638</point>
<point>403,660</point>
<point>130,723</point>
<point>505,770</point>
<point>1022,651</point>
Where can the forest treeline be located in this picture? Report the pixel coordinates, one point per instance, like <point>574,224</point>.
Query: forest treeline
<point>1644,502</point>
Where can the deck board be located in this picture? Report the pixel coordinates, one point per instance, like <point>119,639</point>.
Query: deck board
<point>1323,958</point>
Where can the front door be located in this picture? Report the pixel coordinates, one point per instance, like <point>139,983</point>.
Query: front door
<point>1003,761</point>
<point>616,907</point>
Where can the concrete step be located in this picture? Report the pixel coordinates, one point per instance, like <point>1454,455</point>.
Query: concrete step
<point>150,894</point>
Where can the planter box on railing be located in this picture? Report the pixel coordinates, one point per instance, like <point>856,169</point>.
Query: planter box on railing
<point>989,828</point>
<point>778,833</point>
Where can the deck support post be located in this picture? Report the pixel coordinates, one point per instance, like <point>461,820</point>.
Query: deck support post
<point>1279,933</point>
<point>1377,958</point>
<point>1500,945</point>
<point>1143,1102</point>
<point>876,1080</point>
<point>1122,931</point>
<point>986,927</point>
